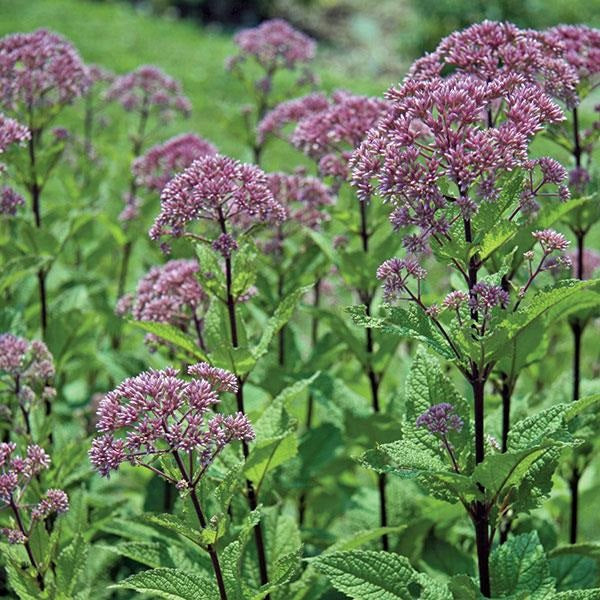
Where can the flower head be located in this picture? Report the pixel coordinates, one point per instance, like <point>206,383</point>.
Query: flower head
<point>485,296</point>
<point>581,48</point>
<point>492,50</point>
<point>29,362</point>
<point>328,133</point>
<point>167,294</point>
<point>303,197</point>
<point>39,71</point>
<point>440,419</point>
<point>149,89</point>
<point>551,240</point>
<point>274,43</point>
<point>396,273</point>
<point>158,165</point>
<point>437,135</point>
<point>10,201</point>
<point>16,473</point>
<point>220,190</point>
<point>157,413</point>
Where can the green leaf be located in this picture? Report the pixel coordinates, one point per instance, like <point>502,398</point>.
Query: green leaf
<point>574,571</point>
<point>150,554</point>
<point>70,564</point>
<point>519,569</point>
<point>369,575</point>
<point>177,525</point>
<point>173,584</point>
<point>411,323</point>
<point>426,386</point>
<point>499,472</point>
<point>360,538</point>
<point>550,304</point>
<point>173,336</point>
<point>409,460</point>
<point>281,316</point>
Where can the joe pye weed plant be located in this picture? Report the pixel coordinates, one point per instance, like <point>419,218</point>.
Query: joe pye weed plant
<point>360,373</point>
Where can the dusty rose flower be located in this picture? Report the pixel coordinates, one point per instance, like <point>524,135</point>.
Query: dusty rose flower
<point>440,419</point>
<point>492,50</point>
<point>327,133</point>
<point>551,240</point>
<point>158,165</point>
<point>396,274</point>
<point>454,300</point>
<point>221,191</point>
<point>168,294</point>
<point>273,44</point>
<point>581,47</point>
<point>30,362</point>
<point>148,89</point>
<point>157,413</point>
<point>10,201</point>
<point>39,71</point>
<point>451,147</point>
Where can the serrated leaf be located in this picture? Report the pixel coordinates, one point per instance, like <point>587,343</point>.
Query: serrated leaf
<point>411,323</point>
<point>173,584</point>
<point>370,575</point>
<point>173,336</point>
<point>573,571</point>
<point>426,386</point>
<point>519,568</point>
<point>70,564</point>
<point>281,316</point>
<point>149,554</point>
<point>177,525</point>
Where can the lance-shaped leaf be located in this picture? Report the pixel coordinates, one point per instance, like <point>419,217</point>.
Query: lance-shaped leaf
<point>408,460</point>
<point>173,584</point>
<point>283,313</point>
<point>369,575</point>
<point>411,323</point>
<point>209,535</point>
<point>426,386</point>
<point>173,336</point>
<point>519,569</point>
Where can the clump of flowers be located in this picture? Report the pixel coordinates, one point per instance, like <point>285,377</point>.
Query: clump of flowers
<point>39,71</point>
<point>11,132</point>
<point>441,420</point>
<point>437,135</point>
<point>326,130</point>
<point>221,191</point>
<point>492,50</point>
<point>168,294</point>
<point>303,197</point>
<point>160,163</point>
<point>16,473</point>
<point>10,201</point>
<point>274,44</point>
<point>581,49</point>
<point>264,51</point>
<point>159,414</point>
<point>27,372</point>
<point>149,90</point>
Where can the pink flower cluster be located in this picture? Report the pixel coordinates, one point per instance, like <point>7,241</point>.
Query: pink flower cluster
<point>220,190</point>
<point>304,198</point>
<point>16,473</point>
<point>147,89</point>
<point>11,132</point>
<point>440,419</point>
<point>327,131</point>
<point>29,365</point>
<point>10,201</point>
<point>167,294</point>
<point>490,50</point>
<point>38,71</point>
<point>274,44</point>
<point>436,135</point>
<point>396,274</point>
<point>581,48</point>
<point>157,413</point>
<point>158,165</point>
